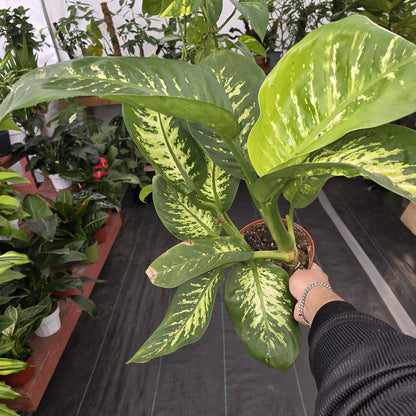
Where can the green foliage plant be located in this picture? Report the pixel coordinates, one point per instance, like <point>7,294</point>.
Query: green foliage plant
<point>9,366</point>
<point>17,325</point>
<point>397,16</point>
<point>27,283</point>
<point>66,149</point>
<point>323,111</point>
<point>20,47</point>
<point>10,205</point>
<point>195,26</point>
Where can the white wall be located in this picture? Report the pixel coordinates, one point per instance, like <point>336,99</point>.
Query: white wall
<point>55,9</point>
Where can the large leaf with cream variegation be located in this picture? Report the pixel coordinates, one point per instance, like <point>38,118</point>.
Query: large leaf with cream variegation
<point>386,155</point>
<point>260,307</point>
<point>166,143</point>
<point>343,76</point>
<point>186,319</point>
<point>241,79</point>
<point>219,188</point>
<point>180,215</point>
<point>193,258</point>
<point>168,86</point>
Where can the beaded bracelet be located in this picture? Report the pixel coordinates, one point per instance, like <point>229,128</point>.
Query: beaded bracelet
<point>303,298</point>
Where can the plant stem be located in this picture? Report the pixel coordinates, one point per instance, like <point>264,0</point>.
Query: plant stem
<point>229,226</point>
<point>273,255</point>
<point>283,238</point>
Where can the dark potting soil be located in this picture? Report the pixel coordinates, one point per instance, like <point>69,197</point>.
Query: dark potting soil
<point>259,238</point>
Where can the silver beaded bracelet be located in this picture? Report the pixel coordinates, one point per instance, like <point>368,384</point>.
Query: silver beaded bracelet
<point>303,298</point>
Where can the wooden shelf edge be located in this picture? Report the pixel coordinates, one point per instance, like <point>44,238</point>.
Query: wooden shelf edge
<point>49,350</point>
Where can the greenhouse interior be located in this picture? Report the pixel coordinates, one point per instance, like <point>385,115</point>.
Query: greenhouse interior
<point>207,207</point>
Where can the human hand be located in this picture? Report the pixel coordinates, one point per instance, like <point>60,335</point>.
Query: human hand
<point>316,297</point>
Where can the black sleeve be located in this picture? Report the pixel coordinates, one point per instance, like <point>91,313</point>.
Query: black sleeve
<point>361,365</point>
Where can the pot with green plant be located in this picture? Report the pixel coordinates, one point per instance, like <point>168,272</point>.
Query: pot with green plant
<point>10,206</point>
<point>8,367</point>
<point>80,219</point>
<point>46,273</point>
<point>57,154</point>
<point>14,337</point>
<point>322,112</point>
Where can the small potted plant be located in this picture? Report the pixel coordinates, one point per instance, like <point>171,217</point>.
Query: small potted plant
<point>14,338</point>
<point>7,367</point>
<point>57,154</point>
<point>46,273</point>
<point>10,207</point>
<point>323,111</point>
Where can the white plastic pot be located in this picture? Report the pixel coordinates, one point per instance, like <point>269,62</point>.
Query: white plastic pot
<point>49,325</point>
<point>59,183</point>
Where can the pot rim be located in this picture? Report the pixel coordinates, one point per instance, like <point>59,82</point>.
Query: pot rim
<point>311,245</point>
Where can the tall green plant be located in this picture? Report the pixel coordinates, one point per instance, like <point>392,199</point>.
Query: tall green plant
<point>199,30</point>
<point>322,112</point>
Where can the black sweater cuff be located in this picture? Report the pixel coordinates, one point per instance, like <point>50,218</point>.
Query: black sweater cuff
<point>326,312</point>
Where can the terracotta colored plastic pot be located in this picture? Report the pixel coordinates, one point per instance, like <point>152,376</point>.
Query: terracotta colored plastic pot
<point>21,378</point>
<point>311,245</point>
<point>101,235</point>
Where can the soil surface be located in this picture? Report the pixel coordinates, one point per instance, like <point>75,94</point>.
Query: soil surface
<point>259,238</point>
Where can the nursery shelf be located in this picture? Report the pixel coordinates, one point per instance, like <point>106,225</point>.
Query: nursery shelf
<point>49,350</point>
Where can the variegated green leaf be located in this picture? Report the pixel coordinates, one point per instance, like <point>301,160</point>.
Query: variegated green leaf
<point>171,87</point>
<point>217,149</point>
<point>343,76</point>
<point>10,366</point>
<point>93,221</point>
<point>6,411</point>
<point>187,317</point>
<point>178,8</point>
<point>386,155</point>
<point>261,309</point>
<point>241,79</point>
<point>180,215</point>
<point>193,258</point>
<point>12,258</point>
<point>10,176</point>
<point>7,393</point>
<point>219,187</point>
<point>166,143</point>
<point>256,11</point>
<point>8,202</point>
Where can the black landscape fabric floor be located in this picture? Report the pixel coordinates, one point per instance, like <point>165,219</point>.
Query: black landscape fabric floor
<point>216,376</point>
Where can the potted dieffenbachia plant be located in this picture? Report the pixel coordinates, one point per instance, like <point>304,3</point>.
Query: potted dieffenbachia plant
<point>323,111</point>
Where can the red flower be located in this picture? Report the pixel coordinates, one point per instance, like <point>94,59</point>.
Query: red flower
<point>103,164</point>
<point>99,174</point>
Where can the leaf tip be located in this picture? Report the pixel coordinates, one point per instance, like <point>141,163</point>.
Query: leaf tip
<point>151,274</point>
